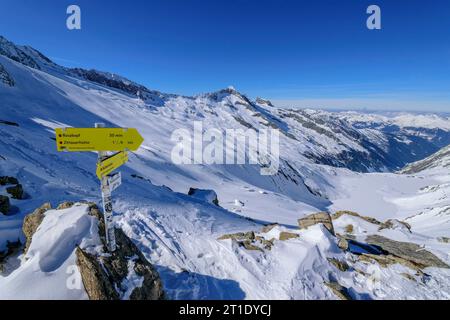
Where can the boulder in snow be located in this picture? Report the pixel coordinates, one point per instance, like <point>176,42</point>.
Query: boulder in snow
<point>313,219</point>
<point>395,224</point>
<point>5,180</point>
<point>340,291</point>
<point>209,196</point>
<point>16,192</point>
<point>407,251</point>
<point>5,77</point>
<point>4,204</point>
<point>284,236</point>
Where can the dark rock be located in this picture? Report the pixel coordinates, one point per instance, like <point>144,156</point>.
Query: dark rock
<point>65,205</point>
<point>444,239</point>
<point>9,123</point>
<point>339,214</point>
<point>8,180</point>
<point>5,77</point>
<point>4,205</point>
<point>269,227</point>
<point>284,236</point>
<point>239,236</point>
<point>343,244</point>
<point>209,196</point>
<point>395,224</point>
<point>341,265</point>
<point>248,245</point>
<point>16,192</point>
<point>340,291</point>
<point>313,219</point>
<point>11,248</point>
<point>407,251</point>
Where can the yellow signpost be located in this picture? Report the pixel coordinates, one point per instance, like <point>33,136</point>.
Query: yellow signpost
<point>110,164</point>
<point>97,139</point>
<point>102,140</point>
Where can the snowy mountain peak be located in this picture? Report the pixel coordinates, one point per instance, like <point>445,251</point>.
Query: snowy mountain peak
<point>264,102</point>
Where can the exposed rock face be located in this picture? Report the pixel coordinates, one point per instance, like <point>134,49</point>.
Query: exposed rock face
<point>8,180</point>
<point>32,222</point>
<point>65,205</point>
<point>407,251</point>
<point>339,214</point>
<point>444,239</point>
<point>11,248</point>
<point>343,243</point>
<point>341,265</point>
<point>262,101</point>
<point>239,236</point>
<point>104,277</point>
<point>5,77</point>
<point>388,260</point>
<point>4,205</point>
<point>313,219</point>
<point>269,227</point>
<point>16,192</point>
<point>105,274</point>
<point>395,224</point>
<point>249,240</point>
<point>288,235</point>
<point>15,53</point>
<point>340,291</point>
<point>209,196</point>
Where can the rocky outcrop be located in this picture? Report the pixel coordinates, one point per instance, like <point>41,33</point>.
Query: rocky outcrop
<point>32,222</point>
<point>408,251</point>
<point>16,192</point>
<point>4,205</point>
<point>339,214</point>
<point>284,236</point>
<point>239,236</point>
<point>209,196</point>
<point>269,227</point>
<point>313,219</point>
<point>5,77</point>
<point>11,248</point>
<point>389,224</point>
<point>105,275</point>
<point>444,239</point>
<point>65,205</point>
<point>342,243</point>
<point>340,291</point>
<point>341,265</point>
<point>395,224</point>
<point>264,102</point>
<point>5,180</point>
<point>249,240</point>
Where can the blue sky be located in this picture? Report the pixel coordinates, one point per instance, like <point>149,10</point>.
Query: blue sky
<point>298,53</point>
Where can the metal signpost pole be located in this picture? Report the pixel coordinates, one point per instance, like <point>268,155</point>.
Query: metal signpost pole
<point>107,203</point>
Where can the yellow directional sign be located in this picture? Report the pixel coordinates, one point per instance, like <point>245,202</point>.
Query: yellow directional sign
<point>110,164</point>
<point>98,139</point>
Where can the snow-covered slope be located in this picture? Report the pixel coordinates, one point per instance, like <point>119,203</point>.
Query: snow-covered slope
<point>178,233</point>
<point>440,160</point>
